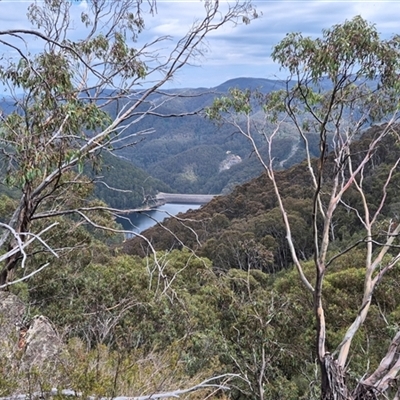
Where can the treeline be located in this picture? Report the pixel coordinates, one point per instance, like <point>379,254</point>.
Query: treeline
<point>122,185</point>
<point>230,304</point>
<point>240,229</point>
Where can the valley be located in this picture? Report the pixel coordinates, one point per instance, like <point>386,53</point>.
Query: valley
<point>239,242</point>
<point>192,154</point>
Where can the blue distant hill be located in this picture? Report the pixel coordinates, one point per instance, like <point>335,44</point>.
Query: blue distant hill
<point>263,85</point>
<point>189,153</point>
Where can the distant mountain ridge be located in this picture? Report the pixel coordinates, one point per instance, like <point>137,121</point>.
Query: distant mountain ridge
<point>262,84</point>
<point>186,152</point>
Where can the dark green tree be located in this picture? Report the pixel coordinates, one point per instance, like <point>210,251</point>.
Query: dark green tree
<point>338,85</point>
<point>62,97</point>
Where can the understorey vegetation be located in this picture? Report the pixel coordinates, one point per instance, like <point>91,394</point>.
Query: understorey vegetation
<point>285,288</point>
<point>339,207</point>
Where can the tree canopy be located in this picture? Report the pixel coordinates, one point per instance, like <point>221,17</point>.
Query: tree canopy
<point>345,81</point>
<point>287,287</point>
<point>62,96</point>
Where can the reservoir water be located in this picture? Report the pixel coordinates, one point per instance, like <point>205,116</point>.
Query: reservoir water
<point>140,221</point>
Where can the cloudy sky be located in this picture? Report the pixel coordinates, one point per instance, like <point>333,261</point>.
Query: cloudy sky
<point>244,50</point>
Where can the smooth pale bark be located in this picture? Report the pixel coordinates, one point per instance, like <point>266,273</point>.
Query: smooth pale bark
<point>337,115</point>
<point>206,384</point>
<point>105,70</point>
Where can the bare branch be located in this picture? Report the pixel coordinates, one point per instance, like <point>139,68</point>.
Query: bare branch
<point>24,278</point>
<point>206,384</point>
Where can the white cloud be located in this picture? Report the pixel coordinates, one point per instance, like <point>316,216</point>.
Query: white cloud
<point>83,4</point>
<point>236,51</point>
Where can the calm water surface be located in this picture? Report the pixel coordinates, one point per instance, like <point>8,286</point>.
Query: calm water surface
<point>138,222</point>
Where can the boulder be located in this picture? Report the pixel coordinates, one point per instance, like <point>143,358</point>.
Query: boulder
<point>40,342</point>
<point>26,344</point>
<point>12,311</point>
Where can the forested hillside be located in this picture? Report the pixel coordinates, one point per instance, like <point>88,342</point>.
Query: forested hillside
<point>122,185</point>
<point>116,181</point>
<point>244,229</point>
<point>285,288</point>
<point>186,153</point>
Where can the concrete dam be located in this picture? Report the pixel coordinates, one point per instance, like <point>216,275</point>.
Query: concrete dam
<point>163,198</point>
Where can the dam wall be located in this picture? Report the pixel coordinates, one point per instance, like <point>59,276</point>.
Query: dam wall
<point>184,198</point>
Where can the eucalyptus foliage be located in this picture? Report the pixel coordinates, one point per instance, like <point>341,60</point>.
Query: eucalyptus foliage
<point>60,95</point>
<point>338,85</point>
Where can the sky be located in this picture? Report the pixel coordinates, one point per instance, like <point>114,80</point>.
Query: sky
<point>242,50</point>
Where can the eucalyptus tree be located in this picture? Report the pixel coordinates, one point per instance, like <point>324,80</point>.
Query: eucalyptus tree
<point>62,90</point>
<point>338,84</point>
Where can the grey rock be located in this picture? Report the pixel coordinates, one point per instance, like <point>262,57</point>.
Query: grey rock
<point>42,343</point>
<point>230,160</point>
<point>12,311</point>
<point>26,346</point>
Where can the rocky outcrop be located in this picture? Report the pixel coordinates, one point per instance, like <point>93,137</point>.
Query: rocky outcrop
<point>40,342</point>
<point>26,345</point>
<point>12,311</point>
<point>230,160</point>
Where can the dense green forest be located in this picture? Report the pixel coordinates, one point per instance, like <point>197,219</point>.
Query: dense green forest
<point>186,152</point>
<point>230,303</point>
<point>283,287</point>
<point>122,185</point>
